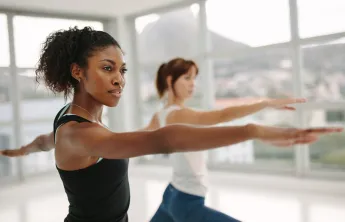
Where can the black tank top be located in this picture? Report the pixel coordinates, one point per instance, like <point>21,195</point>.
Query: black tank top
<point>99,193</point>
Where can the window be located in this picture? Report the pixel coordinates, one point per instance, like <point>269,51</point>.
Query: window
<point>164,36</point>
<point>263,74</point>
<point>7,165</point>
<point>256,152</point>
<point>244,24</point>
<point>5,97</point>
<point>320,17</point>
<point>31,32</point>
<point>324,71</point>
<point>4,42</point>
<point>240,79</point>
<point>329,152</point>
<point>41,161</point>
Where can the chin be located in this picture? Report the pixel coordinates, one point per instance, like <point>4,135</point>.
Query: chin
<point>112,103</point>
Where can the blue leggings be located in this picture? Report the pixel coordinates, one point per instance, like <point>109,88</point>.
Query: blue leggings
<point>178,206</point>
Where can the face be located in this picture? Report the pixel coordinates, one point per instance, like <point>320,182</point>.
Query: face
<point>104,77</point>
<point>185,84</point>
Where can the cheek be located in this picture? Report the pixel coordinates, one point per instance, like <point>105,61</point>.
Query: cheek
<point>96,82</point>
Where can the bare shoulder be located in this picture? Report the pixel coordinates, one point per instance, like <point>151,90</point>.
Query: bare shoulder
<point>180,115</point>
<point>77,134</point>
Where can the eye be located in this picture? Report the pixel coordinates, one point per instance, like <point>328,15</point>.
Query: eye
<point>107,68</point>
<point>187,77</point>
<point>123,71</point>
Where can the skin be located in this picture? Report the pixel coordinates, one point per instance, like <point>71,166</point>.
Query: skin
<point>79,145</point>
<point>184,89</point>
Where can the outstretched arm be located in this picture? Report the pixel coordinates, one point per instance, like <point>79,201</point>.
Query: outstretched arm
<point>230,113</point>
<point>44,142</point>
<point>88,139</point>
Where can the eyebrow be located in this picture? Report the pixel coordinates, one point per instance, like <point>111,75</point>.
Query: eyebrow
<point>112,62</point>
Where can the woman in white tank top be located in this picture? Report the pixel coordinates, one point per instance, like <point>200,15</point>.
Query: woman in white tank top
<point>183,199</point>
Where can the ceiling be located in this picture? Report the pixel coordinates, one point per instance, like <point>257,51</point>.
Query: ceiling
<point>99,8</point>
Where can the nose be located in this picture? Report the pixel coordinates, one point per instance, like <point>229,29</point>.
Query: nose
<point>119,81</point>
<point>192,84</point>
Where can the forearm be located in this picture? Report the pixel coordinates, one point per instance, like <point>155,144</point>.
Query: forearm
<point>44,142</point>
<point>182,138</point>
<point>236,112</point>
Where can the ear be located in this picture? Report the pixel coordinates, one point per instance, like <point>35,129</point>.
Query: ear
<point>76,72</point>
<point>169,81</point>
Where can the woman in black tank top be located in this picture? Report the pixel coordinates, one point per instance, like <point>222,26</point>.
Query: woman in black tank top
<point>93,161</point>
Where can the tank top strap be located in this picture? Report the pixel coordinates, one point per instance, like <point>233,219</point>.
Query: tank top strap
<point>163,114</point>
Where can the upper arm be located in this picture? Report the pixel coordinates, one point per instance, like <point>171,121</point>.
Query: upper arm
<point>190,116</point>
<point>91,139</point>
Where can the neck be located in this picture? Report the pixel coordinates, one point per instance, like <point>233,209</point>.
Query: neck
<point>91,106</point>
<point>173,100</point>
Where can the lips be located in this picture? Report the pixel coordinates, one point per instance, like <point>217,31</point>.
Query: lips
<point>116,92</point>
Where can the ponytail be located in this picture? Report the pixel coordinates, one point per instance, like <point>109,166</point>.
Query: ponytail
<point>161,83</point>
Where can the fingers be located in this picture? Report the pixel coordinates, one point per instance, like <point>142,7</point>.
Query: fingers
<point>323,130</point>
<point>306,140</point>
<point>288,108</point>
<point>281,103</point>
<point>11,153</point>
<point>290,101</point>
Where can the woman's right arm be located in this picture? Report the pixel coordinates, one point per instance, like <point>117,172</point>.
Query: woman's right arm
<point>93,140</point>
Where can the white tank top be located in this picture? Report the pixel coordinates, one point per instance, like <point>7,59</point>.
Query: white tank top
<point>189,168</point>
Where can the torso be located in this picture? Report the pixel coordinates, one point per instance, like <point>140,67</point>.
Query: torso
<point>189,168</point>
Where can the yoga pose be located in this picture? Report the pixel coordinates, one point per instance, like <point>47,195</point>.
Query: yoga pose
<point>91,160</point>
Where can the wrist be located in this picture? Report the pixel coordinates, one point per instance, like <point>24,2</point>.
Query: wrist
<point>24,151</point>
<point>253,130</point>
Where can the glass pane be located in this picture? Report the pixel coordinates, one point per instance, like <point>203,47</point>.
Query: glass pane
<point>265,74</point>
<point>4,43</point>
<point>324,70</point>
<point>5,97</point>
<point>247,23</point>
<point>34,30</point>
<point>8,166</point>
<point>320,17</point>
<point>42,161</point>
<point>329,152</point>
<point>242,79</point>
<point>30,89</point>
<point>38,101</point>
<point>256,152</point>
<point>163,36</point>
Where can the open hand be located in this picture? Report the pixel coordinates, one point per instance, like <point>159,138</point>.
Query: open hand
<point>283,104</point>
<point>12,153</point>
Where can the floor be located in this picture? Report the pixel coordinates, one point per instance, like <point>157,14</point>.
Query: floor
<point>246,197</point>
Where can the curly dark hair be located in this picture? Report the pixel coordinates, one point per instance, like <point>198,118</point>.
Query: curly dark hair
<point>65,47</point>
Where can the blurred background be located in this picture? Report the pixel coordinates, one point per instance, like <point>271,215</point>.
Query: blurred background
<point>245,49</point>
